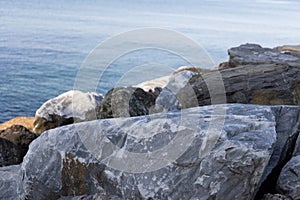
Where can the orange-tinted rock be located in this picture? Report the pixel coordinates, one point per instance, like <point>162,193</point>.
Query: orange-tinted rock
<point>27,122</point>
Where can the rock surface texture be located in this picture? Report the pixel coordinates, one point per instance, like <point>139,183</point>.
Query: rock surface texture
<point>289,179</point>
<point>126,102</point>
<point>254,75</point>
<point>69,107</point>
<point>230,152</point>
<point>27,122</point>
<point>14,143</point>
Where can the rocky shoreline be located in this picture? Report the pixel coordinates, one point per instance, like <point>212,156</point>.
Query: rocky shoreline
<point>244,132</point>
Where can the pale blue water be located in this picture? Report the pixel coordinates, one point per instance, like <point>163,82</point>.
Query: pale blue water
<point>43,43</point>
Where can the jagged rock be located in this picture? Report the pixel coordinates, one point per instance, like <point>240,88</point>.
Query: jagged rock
<point>27,122</point>
<point>249,54</point>
<point>14,144</point>
<point>265,84</point>
<point>226,163</point>
<point>253,75</point>
<point>126,102</point>
<point>287,128</point>
<point>289,179</point>
<point>170,98</point>
<point>69,107</point>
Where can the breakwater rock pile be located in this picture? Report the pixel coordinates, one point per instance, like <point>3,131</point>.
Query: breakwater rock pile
<point>193,138</point>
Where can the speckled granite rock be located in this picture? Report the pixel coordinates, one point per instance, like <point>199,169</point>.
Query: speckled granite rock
<point>227,164</point>
<point>69,107</point>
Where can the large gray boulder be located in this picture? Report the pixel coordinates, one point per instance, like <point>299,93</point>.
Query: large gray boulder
<point>264,83</point>
<point>253,75</point>
<point>211,152</point>
<point>67,108</point>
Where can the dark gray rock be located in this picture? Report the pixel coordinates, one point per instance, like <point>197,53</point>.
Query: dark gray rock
<point>126,102</point>
<point>287,128</point>
<point>297,147</point>
<point>264,84</point>
<point>254,54</point>
<point>289,179</point>
<point>14,143</point>
<point>67,108</point>
<point>10,153</point>
<point>254,75</point>
<point>225,163</point>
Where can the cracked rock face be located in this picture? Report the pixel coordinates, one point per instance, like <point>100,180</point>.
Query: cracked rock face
<point>69,107</point>
<point>80,160</point>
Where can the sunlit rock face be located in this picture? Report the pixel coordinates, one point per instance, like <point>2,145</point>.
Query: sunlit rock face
<point>69,107</point>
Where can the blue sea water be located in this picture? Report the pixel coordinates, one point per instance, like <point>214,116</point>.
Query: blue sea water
<point>43,43</point>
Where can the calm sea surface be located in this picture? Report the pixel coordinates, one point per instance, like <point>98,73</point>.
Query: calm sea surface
<point>43,43</point>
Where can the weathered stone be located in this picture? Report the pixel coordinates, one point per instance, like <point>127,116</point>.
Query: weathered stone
<point>227,164</point>
<point>297,147</point>
<point>289,179</point>
<point>9,182</point>
<point>10,153</point>
<point>287,128</point>
<point>253,75</point>
<point>69,107</point>
<point>170,98</point>
<point>126,102</point>
<point>265,84</point>
<point>249,54</point>
<point>13,150</point>
<point>27,122</point>
<point>290,48</point>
